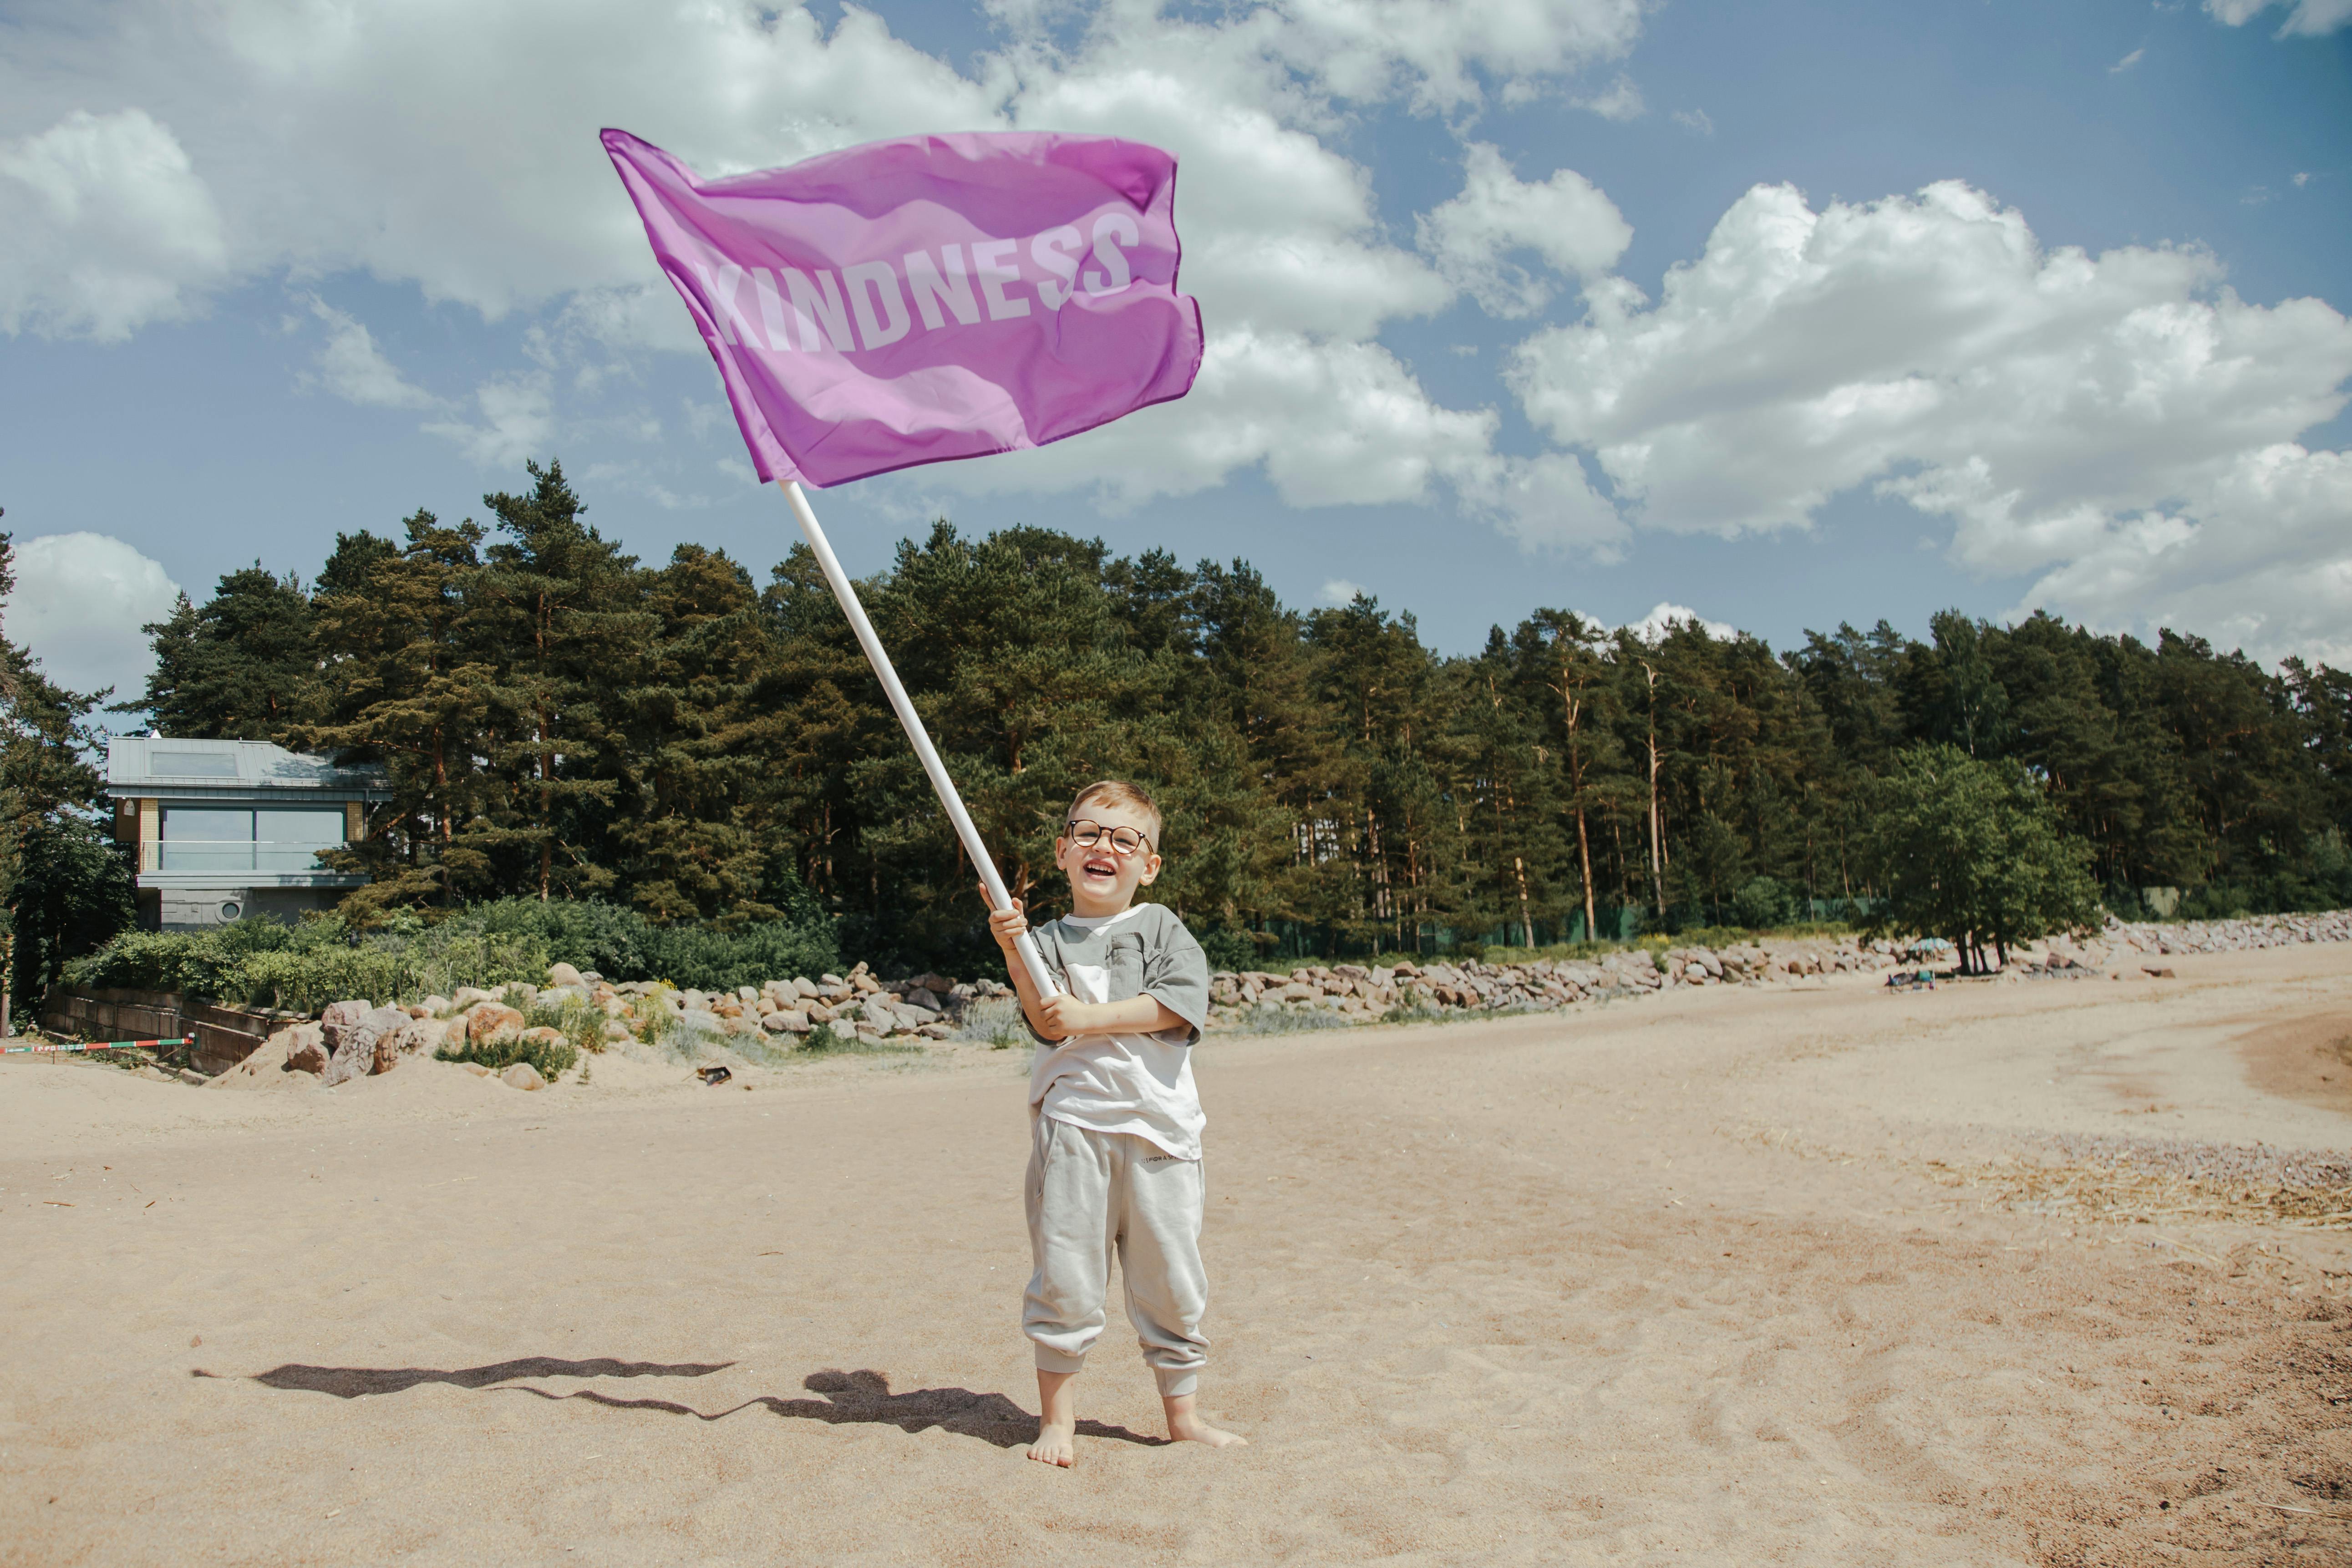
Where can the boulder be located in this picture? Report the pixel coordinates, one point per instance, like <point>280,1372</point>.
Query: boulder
<point>389,1025</point>
<point>543,1036</point>
<point>305,1050</point>
<point>922,996</point>
<point>565,975</point>
<point>787,1021</point>
<point>469,994</point>
<point>358,1047</point>
<point>338,1016</point>
<point>522,1075</point>
<point>614,1030</point>
<point>487,1020</point>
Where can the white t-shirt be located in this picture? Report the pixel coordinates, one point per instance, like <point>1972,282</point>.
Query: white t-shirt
<point>1139,1084</point>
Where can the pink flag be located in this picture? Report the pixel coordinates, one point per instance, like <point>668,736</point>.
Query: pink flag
<point>930,298</point>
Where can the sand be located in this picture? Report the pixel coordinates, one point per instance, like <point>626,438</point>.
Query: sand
<point>1726,1277</point>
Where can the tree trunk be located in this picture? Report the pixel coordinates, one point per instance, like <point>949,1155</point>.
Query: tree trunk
<point>1584,860</point>
<point>1657,841</point>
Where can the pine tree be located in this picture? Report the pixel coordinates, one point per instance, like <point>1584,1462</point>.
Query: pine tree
<point>556,615</point>
<point>63,888</point>
<point>241,668</point>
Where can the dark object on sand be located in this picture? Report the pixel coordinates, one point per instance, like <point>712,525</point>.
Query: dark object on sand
<point>714,1077</point>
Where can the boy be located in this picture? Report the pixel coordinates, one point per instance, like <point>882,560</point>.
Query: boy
<point>1115,1125</point>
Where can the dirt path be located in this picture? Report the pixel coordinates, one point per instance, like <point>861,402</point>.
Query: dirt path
<point>1722,1278</point>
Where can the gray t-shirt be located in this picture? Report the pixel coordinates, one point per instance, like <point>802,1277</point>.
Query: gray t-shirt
<point>1139,1084</point>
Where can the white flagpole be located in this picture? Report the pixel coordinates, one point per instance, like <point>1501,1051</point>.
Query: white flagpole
<point>912,722</point>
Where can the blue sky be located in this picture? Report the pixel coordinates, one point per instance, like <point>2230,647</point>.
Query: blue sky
<point>1786,313</point>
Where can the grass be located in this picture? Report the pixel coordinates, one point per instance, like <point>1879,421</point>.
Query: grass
<point>995,1023</point>
<point>552,1059</point>
<point>580,1021</point>
<point>1287,1021</point>
<point>824,1040</point>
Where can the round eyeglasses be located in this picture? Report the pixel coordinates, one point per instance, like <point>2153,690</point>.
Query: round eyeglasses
<point>1086,834</point>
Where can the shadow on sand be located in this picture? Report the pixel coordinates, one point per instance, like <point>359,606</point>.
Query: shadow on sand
<point>845,1397</point>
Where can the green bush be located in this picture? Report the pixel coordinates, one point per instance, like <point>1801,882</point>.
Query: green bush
<point>553,1059</point>
<point>606,939</point>
<point>707,958</point>
<point>261,963</point>
<point>1763,904</point>
<point>622,944</point>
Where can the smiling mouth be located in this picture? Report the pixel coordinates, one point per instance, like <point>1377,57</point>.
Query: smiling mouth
<point>1099,867</point>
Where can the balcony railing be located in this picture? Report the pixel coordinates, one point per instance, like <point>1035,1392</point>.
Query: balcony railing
<point>236,855</point>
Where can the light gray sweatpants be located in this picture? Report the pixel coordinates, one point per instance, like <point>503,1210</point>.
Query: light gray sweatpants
<point>1091,1195</point>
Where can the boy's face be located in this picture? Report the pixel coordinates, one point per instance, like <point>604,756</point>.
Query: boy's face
<point>1102,880</point>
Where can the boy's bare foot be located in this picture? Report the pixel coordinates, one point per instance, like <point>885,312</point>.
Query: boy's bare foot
<point>1055,1446</point>
<point>1057,1420</point>
<point>1185,1426</point>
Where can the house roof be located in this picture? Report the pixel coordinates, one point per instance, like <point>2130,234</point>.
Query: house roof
<point>160,766</point>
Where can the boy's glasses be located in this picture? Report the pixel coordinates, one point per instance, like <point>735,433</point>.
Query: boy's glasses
<point>1086,834</point>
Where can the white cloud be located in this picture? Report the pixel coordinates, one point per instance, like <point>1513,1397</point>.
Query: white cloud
<point>1620,100</point>
<point>1547,503</point>
<point>1342,591</point>
<point>518,421</point>
<point>2126,63</point>
<point>1566,221</point>
<point>2310,18</point>
<point>2087,419</point>
<point>353,368</point>
<point>104,227</point>
<point>79,601</point>
<point>1329,424</point>
<point>1694,120</point>
<point>1654,626</point>
<point>1432,50</point>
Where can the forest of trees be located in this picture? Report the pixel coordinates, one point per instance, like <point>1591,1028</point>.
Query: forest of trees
<point>560,721</point>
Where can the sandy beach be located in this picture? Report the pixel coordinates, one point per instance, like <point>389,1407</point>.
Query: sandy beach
<point>1806,1274</point>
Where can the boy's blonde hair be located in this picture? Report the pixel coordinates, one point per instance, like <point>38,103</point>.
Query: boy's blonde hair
<point>1119,791</point>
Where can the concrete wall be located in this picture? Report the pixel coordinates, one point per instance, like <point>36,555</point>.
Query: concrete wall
<point>224,1036</point>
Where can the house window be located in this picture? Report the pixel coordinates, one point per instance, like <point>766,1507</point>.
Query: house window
<point>290,840</point>
<point>210,839</point>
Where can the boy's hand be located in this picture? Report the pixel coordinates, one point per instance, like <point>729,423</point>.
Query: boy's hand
<point>1006,925</point>
<point>1065,1016</point>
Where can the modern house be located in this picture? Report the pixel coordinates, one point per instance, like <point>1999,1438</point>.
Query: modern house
<point>230,828</point>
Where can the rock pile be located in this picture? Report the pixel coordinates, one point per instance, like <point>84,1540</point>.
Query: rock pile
<point>927,1006</point>
<point>1356,993</point>
<point>353,1040</point>
<point>2233,936</point>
